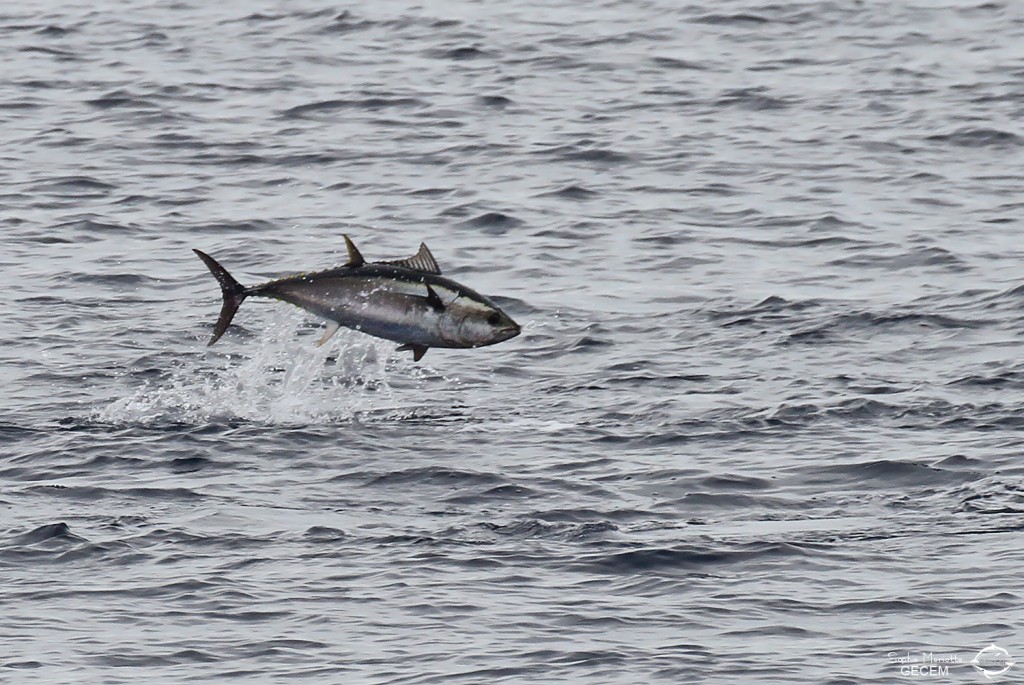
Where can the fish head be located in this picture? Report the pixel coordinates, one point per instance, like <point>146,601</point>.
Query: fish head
<point>478,322</point>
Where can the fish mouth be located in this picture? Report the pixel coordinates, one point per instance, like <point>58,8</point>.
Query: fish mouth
<point>509,332</point>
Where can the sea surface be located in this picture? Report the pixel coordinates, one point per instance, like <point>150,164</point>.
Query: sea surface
<point>764,423</point>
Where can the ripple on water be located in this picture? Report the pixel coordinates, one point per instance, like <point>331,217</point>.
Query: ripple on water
<point>767,261</point>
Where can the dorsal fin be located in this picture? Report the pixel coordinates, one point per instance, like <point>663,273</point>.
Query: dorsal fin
<point>421,261</point>
<point>354,258</point>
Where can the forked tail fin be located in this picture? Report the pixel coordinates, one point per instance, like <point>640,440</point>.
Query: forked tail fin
<point>233,292</point>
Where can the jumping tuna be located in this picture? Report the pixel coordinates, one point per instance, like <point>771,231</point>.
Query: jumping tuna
<point>406,300</point>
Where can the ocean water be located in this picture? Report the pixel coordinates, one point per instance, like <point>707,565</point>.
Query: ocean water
<point>765,422</point>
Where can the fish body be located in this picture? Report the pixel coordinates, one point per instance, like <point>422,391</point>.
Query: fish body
<point>407,301</point>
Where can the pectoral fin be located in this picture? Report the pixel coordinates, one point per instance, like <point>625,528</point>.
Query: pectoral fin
<point>417,350</point>
<point>434,300</point>
<point>332,328</point>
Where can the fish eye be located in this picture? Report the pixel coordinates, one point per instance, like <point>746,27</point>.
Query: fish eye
<point>494,319</point>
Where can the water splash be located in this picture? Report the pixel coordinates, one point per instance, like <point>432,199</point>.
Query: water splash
<point>280,378</point>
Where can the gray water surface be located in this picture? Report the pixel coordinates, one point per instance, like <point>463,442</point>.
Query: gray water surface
<point>763,424</point>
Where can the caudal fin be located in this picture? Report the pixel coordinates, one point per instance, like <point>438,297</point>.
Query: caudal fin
<point>232,291</point>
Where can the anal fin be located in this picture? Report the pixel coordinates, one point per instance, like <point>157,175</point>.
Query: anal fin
<point>332,328</point>
<point>417,350</point>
